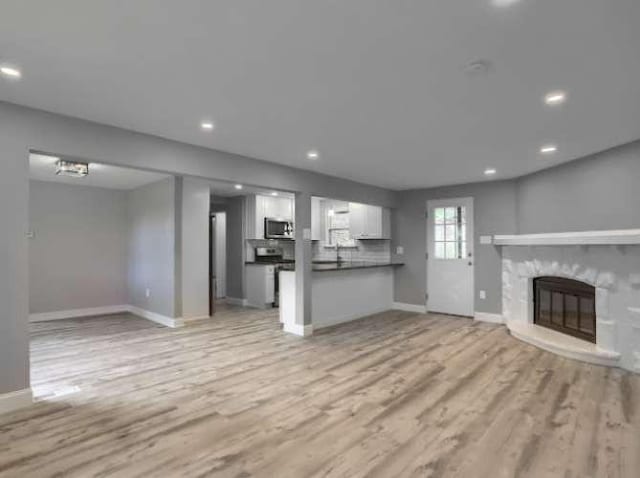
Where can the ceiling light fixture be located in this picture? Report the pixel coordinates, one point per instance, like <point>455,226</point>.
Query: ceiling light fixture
<point>10,72</point>
<point>549,149</point>
<point>207,125</point>
<point>313,155</point>
<point>490,172</point>
<point>274,193</point>
<point>555,98</point>
<point>238,186</point>
<point>503,3</point>
<point>71,168</point>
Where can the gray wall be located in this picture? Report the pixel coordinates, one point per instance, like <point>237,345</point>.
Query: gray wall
<point>195,248</point>
<point>151,220</point>
<point>235,247</point>
<point>597,192</point>
<point>494,213</point>
<point>22,129</point>
<point>78,256</point>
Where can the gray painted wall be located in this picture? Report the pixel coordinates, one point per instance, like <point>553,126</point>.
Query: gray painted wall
<point>23,128</point>
<point>494,213</point>
<point>151,219</point>
<point>78,256</point>
<point>195,248</point>
<point>597,192</point>
<point>235,247</point>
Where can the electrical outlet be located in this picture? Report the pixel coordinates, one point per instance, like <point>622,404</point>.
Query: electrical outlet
<point>400,250</point>
<point>147,293</point>
<point>483,294</point>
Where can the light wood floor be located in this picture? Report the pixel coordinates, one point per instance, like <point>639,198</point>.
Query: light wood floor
<point>397,394</point>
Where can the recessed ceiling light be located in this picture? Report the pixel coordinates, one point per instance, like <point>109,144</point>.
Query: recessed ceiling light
<point>503,3</point>
<point>10,72</point>
<point>549,149</point>
<point>489,172</point>
<point>554,98</point>
<point>238,186</point>
<point>207,125</point>
<point>274,193</point>
<point>313,155</point>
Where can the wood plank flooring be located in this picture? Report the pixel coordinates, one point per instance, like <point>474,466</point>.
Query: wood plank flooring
<point>396,394</point>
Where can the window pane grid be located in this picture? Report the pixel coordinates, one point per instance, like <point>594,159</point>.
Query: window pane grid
<point>450,233</point>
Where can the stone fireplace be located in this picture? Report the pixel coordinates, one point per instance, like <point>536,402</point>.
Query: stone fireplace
<point>612,271</point>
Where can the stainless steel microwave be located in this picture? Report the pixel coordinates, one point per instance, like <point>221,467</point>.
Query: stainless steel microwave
<point>277,229</point>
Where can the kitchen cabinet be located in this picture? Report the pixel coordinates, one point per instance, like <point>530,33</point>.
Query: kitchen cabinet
<point>260,283</point>
<point>369,222</point>
<point>259,207</point>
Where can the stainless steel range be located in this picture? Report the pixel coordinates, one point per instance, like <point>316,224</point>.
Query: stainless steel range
<point>273,255</point>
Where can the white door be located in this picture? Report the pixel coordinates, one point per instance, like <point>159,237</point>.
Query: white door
<point>221,254</point>
<point>450,256</point>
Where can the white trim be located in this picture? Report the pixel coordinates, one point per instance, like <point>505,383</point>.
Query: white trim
<point>154,317</point>
<point>419,309</point>
<point>237,301</point>
<point>562,344</point>
<point>615,237</point>
<point>298,329</point>
<point>73,313</point>
<point>486,317</point>
<point>12,401</point>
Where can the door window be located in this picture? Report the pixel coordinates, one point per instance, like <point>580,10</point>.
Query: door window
<point>450,232</point>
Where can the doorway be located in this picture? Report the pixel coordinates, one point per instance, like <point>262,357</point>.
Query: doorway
<point>218,258</point>
<point>450,260</point>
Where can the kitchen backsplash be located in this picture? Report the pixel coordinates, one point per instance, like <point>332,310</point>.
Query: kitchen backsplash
<point>369,250</point>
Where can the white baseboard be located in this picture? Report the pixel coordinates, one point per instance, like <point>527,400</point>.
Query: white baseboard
<point>486,317</point>
<point>73,313</point>
<point>419,309</point>
<point>158,318</point>
<point>298,329</point>
<point>107,310</point>
<point>12,401</point>
<point>237,301</point>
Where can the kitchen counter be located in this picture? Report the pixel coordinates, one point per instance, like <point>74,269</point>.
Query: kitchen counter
<point>339,293</point>
<point>320,266</point>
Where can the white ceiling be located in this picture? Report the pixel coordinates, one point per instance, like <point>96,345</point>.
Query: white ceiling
<point>225,189</point>
<point>43,168</point>
<point>378,87</point>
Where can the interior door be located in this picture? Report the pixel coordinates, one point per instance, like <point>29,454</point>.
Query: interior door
<point>450,260</point>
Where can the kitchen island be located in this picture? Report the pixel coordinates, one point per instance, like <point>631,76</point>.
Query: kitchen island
<point>340,292</point>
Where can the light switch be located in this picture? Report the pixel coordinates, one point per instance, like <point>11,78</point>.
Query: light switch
<point>306,233</point>
<point>483,294</point>
<point>400,250</point>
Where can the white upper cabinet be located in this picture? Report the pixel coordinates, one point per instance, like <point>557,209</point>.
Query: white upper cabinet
<point>260,207</point>
<point>369,222</point>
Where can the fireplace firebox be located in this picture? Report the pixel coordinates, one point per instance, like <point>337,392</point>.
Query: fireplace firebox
<point>565,305</point>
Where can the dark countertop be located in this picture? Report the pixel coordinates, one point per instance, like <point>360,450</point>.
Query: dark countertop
<point>320,266</point>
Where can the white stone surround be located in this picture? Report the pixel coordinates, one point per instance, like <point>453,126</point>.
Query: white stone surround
<point>615,273</point>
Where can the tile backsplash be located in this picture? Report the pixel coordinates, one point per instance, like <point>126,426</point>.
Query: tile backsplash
<point>371,250</point>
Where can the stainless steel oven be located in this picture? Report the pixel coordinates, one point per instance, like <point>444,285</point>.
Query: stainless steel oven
<point>277,229</point>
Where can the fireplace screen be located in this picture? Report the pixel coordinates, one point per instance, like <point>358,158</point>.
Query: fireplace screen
<point>565,305</point>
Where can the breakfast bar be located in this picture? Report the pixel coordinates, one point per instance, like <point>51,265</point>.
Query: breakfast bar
<point>340,291</point>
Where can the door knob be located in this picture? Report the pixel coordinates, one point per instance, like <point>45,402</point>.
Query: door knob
<point>470,263</point>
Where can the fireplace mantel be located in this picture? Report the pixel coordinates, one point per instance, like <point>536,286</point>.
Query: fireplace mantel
<point>582,238</point>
